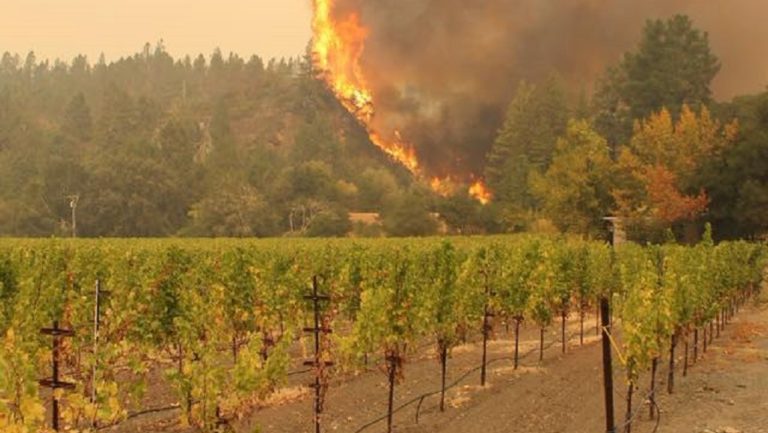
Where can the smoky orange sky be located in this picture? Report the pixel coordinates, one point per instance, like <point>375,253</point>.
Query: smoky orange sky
<point>442,72</point>
<point>277,28</point>
<point>65,28</point>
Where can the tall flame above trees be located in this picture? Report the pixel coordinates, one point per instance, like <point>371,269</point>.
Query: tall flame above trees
<point>337,48</point>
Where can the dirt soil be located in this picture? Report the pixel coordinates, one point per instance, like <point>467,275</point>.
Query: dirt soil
<point>725,391</point>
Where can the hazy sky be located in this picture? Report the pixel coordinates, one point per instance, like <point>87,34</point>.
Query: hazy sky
<point>65,28</point>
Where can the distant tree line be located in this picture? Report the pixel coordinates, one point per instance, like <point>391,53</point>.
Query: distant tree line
<point>150,145</point>
<point>210,146</point>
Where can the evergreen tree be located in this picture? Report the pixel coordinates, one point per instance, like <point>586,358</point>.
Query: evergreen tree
<point>673,65</point>
<point>77,118</point>
<point>737,180</point>
<point>536,117</point>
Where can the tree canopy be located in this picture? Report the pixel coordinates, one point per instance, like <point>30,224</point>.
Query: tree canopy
<point>673,65</point>
<point>157,146</point>
<point>220,145</point>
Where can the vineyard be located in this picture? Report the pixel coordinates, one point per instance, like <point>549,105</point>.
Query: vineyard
<point>224,321</point>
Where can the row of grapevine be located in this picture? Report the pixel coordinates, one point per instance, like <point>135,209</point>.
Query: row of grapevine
<point>222,319</point>
<point>667,292</point>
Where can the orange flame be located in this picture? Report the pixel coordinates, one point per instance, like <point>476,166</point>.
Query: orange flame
<point>443,186</point>
<point>446,186</point>
<point>338,46</point>
<point>480,192</point>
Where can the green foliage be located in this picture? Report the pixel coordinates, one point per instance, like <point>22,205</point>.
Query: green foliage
<point>406,214</point>
<point>235,211</point>
<point>77,118</point>
<point>157,146</point>
<point>221,317</point>
<point>316,140</point>
<point>737,181</point>
<point>536,117</point>
<point>516,285</point>
<point>673,65</point>
<point>330,224</point>
<point>465,215</point>
<point>375,185</point>
<point>442,279</point>
<point>575,192</point>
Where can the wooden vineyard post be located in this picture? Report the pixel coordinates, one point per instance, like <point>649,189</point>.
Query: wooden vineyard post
<point>628,416</point>
<point>393,363</point>
<point>695,344</point>
<point>266,343</point>
<point>443,368</point>
<point>487,327</point>
<point>717,318</point>
<point>96,325</point>
<point>652,398</point>
<point>96,314</point>
<point>597,321</point>
<point>562,331</point>
<point>671,377</point>
<point>318,363</point>
<point>722,320</point>
<point>54,383</point>
<point>99,296</point>
<point>518,319</point>
<point>685,358</point>
<point>605,313</point>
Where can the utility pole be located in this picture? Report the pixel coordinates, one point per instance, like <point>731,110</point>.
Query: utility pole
<point>73,199</point>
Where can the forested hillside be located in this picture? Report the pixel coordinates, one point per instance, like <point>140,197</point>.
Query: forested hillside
<point>156,146</point>
<point>223,146</point>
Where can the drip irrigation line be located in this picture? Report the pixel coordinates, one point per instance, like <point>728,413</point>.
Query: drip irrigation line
<point>140,413</point>
<point>640,408</point>
<point>421,398</point>
<point>455,383</point>
<point>492,361</point>
<point>155,410</point>
<point>466,374</point>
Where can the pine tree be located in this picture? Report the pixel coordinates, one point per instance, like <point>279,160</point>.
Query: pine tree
<point>673,65</point>
<point>77,118</point>
<point>536,117</point>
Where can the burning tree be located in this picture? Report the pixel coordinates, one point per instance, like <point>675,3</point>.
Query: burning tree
<point>338,46</point>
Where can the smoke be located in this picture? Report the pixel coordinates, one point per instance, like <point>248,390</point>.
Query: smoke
<point>443,71</point>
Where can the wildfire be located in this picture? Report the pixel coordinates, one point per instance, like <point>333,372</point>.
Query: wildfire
<point>446,186</point>
<point>480,192</point>
<point>443,186</point>
<point>338,46</point>
<point>397,150</point>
